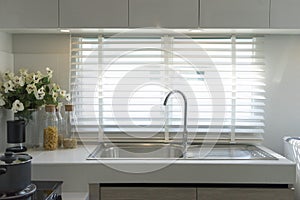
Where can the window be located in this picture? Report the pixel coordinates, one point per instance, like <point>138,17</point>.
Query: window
<point>118,85</point>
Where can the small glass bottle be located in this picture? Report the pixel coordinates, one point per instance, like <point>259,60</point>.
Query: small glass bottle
<point>50,128</point>
<point>61,126</point>
<point>70,140</point>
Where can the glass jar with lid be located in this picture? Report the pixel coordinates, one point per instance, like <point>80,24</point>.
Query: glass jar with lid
<point>61,125</point>
<point>50,128</point>
<point>70,140</point>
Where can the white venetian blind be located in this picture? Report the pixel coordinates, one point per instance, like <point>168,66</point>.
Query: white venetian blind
<point>118,85</point>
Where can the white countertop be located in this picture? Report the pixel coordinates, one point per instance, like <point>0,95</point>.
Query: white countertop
<point>71,166</point>
<point>74,196</point>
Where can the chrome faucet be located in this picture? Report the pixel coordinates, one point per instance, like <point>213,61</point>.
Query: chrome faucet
<point>185,132</point>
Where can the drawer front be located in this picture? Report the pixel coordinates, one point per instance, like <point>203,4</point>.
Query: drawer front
<point>147,193</point>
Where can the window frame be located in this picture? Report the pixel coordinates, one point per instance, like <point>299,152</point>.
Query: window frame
<point>165,135</point>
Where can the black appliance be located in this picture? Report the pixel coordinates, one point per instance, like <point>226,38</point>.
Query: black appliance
<point>48,190</point>
<point>38,190</point>
<point>24,194</point>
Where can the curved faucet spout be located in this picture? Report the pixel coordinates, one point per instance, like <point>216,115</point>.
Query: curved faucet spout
<point>185,137</point>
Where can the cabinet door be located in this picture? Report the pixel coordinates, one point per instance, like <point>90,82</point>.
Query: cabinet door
<point>244,193</point>
<point>285,14</point>
<point>234,13</point>
<point>28,13</point>
<point>163,13</point>
<point>93,13</point>
<point>147,193</point>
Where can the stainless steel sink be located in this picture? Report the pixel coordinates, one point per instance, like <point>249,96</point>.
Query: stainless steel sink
<point>173,151</point>
<point>136,151</point>
<point>228,152</point>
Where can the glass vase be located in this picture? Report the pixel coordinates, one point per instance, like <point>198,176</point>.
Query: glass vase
<point>32,131</point>
<point>32,137</point>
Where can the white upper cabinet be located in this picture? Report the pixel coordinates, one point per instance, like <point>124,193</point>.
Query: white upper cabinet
<point>28,13</point>
<point>234,13</point>
<point>285,14</point>
<point>93,13</point>
<point>163,13</point>
<point>149,13</point>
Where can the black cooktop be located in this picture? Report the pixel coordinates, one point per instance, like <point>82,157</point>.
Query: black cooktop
<point>47,190</point>
<point>37,190</point>
<point>24,194</point>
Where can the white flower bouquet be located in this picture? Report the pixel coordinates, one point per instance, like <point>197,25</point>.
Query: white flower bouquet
<point>26,92</point>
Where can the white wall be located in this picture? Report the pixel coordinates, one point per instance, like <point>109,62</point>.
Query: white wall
<point>282,109</point>
<point>6,56</point>
<point>38,51</point>
<point>6,63</point>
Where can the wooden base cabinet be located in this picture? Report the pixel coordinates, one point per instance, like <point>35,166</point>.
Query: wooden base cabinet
<point>147,193</point>
<point>189,192</point>
<point>244,194</point>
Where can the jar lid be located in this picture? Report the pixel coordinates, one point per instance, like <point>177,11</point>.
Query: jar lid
<point>69,107</point>
<point>10,158</point>
<point>50,108</point>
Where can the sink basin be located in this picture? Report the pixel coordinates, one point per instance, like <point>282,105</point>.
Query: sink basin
<point>136,151</point>
<point>229,152</point>
<point>173,151</point>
